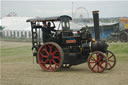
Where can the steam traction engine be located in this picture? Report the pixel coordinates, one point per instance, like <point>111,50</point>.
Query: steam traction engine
<point>65,47</point>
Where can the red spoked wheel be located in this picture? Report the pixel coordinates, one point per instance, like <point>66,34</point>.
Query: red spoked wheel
<point>111,60</point>
<point>97,62</point>
<point>66,65</point>
<point>50,56</point>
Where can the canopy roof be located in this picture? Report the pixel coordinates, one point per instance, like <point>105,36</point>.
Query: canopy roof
<point>41,19</point>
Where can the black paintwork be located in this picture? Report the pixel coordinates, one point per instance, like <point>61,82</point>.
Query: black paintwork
<point>76,47</point>
<point>96,24</point>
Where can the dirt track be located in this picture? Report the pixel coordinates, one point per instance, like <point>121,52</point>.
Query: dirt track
<point>31,74</point>
<point>27,73</point>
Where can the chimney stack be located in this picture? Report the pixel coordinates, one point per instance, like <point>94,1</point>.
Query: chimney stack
<point>96,24</point>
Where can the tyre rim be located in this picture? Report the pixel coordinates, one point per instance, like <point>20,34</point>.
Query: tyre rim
<point>97,62</point>
<point>49,57</point>
<point>111,60</point>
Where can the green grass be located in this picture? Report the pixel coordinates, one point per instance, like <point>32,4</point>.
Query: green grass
<point>23,54</point>
<point>16,54</point>
<point>120,50</point>
<point>16,39</point>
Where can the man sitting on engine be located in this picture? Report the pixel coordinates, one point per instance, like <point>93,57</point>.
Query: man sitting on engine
<point>45,32</point>
<point>49,28</point>
<point>46,29</point>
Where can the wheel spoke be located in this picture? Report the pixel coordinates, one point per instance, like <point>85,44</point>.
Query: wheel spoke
<point>98,68</point>
<point>52,68</point>
<point>49,64</point>
<point>97,58</point>
<point>94,59</point>
<point>44,62</point>
<point>101,66</point>
<point>102,62</point>
<point>109,57</point>
<point>54,61</point>
<point>56,65</point>
<point>43,55</point>
<point>55,51</point>
<point>100,58</point>
<point>97,54</point>
<point>46,51</point>
<point>107,54</point>
<point>93,67</point>
<point>109,64</point>
<point>50,48</point>
<point>111,60</point>
<point>57,57</point>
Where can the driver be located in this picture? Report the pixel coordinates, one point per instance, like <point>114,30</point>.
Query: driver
<point>45,32</point>
<point>46,29</point>
<point>49,28</point>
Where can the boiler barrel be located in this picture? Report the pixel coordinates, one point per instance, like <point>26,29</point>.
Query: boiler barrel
<point>95,46</point>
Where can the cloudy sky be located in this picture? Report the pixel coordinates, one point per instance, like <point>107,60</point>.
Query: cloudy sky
<point>31,8</point>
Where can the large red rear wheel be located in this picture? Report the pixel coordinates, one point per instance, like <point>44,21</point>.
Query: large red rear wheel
<point>111,60</point>
<point>97,62</point>
<point>50,56</point>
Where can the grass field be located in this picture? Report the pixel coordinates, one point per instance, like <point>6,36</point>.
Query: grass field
<point>17,68</point>
<point>120,50</point>
<point>21,51</point>
<point>16,52</point>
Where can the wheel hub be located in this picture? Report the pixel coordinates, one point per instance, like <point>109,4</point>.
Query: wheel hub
<point>97,62</point>
<point>50,57</point>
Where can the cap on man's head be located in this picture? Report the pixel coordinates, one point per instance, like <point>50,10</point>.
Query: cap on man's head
<point>49,23</point>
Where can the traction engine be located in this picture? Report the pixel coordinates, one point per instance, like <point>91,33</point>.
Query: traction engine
<point>66,47</point>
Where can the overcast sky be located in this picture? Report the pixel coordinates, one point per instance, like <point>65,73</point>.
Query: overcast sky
<point>55,8</point>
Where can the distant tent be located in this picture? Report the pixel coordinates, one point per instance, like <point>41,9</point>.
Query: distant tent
<point>15,23</point>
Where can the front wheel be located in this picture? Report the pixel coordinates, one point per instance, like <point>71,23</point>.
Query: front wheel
<point>50,56</point>
<point>111,60</point>
<point>97,62</point>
